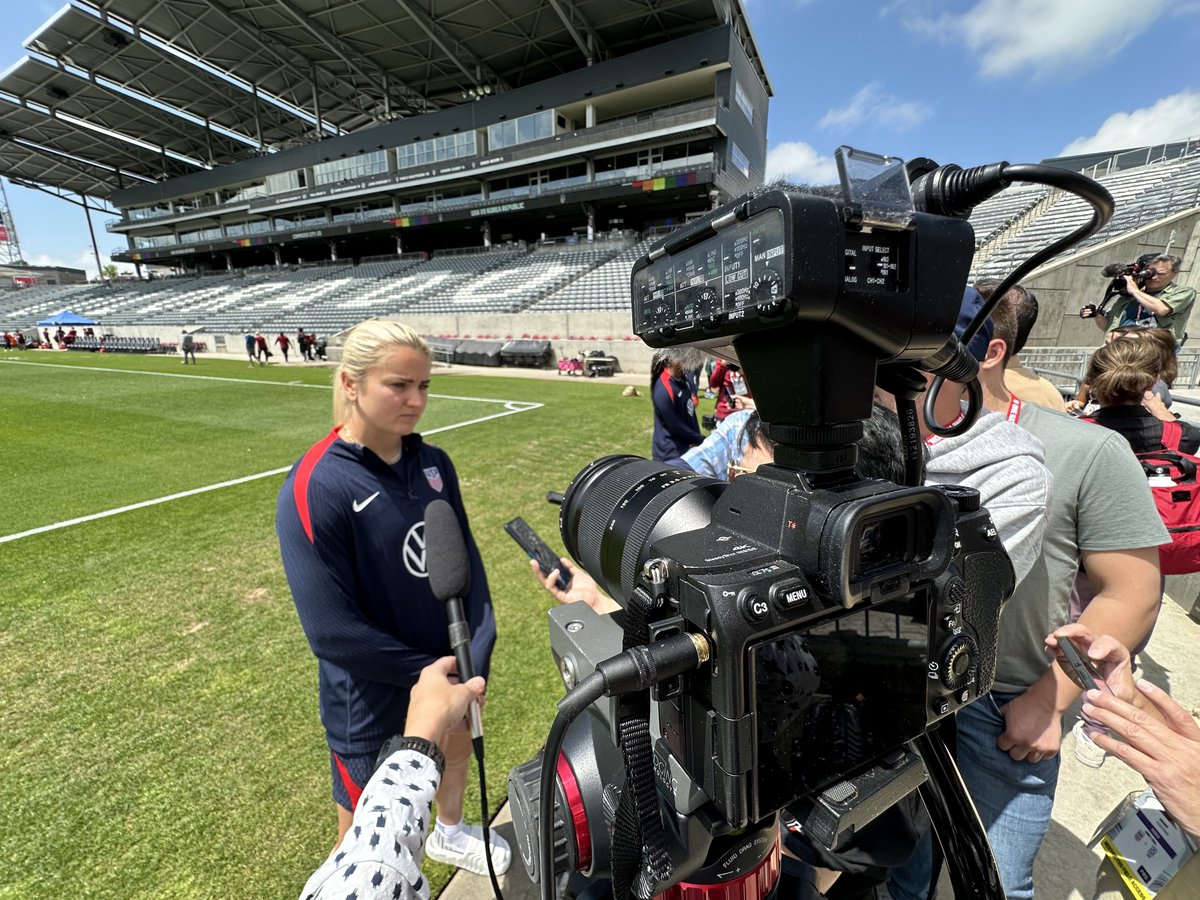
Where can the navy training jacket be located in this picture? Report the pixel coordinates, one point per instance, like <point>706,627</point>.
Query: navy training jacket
<point>352,536</point>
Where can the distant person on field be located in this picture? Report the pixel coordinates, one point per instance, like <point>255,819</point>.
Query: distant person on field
<point>251,347</point>
<point>304,342</point>
<point>283,341</point>
<point>673,388</point>
<point>187,344</point>
<point>319,344</point>
<point>263,351</point>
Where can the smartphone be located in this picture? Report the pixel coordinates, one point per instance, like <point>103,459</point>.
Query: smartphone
<point>1079,668</point>
<point>529,541</point>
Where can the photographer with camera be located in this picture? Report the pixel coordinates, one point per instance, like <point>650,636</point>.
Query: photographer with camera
<point>380,855</point>
<point>1150,298</point>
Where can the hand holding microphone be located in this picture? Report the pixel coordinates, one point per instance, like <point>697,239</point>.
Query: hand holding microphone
<point>450,580</point>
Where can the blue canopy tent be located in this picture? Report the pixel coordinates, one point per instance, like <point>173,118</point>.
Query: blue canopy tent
<point>66,317</point>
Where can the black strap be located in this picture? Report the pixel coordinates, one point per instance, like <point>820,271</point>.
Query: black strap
<point>1155,460</point>
<point>640,860</point>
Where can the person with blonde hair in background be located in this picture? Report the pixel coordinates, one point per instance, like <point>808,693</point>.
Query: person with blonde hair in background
<point>351,529</point>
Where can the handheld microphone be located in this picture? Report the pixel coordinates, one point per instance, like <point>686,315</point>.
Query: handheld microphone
<point>450,580</point>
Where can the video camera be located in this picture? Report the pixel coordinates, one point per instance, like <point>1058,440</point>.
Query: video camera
<point>834,618</point>
<point>1138,270</point>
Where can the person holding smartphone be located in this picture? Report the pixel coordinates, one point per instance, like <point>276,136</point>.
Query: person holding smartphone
<point>1143,726</point>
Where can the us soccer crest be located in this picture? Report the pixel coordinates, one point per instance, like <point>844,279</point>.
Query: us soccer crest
<point>434,477</point>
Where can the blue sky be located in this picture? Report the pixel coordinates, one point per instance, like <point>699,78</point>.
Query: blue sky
<point>965,81</point>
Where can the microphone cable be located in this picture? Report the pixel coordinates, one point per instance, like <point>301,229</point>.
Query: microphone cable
<point>952,191</point>
<point>449,570</point>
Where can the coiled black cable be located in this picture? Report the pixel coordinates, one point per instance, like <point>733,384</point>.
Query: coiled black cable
<point>955,193</point>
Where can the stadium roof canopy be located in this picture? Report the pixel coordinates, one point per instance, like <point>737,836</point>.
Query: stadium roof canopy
<point>157,88</point>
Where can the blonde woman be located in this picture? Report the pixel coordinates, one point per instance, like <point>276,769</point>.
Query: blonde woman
<point>350,521</point>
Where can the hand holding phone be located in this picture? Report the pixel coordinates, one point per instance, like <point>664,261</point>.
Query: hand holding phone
<point>1079,668</point>
<point>529,541</point>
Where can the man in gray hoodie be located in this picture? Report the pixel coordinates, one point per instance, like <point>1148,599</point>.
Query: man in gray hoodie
<point>1000,460</point>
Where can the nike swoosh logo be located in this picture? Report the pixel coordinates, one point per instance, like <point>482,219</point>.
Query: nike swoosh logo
<point>360,505</point>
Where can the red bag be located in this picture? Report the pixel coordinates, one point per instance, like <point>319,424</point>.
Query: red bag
<point>1178,503</point>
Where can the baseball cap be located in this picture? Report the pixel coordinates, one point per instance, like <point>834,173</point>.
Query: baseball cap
<point>972,302</point>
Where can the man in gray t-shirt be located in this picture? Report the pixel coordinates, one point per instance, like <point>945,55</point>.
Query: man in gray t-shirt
<point>1101,514</point>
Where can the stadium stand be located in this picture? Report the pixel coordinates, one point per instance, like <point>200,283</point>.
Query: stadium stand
<point>513,287</point>
<point>604,287</point>
<point>1013,226</point>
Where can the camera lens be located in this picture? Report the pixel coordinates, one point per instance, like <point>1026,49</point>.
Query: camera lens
<point>618,506</point>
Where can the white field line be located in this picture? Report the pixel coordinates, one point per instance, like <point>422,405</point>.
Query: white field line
<point>250,381</point>
<point>511,407</point>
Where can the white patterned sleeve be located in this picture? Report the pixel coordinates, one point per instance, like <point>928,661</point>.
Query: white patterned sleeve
<point>380,856</point>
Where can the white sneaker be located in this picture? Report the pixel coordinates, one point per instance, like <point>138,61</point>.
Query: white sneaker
<point>467,851</point>
<point>1086,750</point>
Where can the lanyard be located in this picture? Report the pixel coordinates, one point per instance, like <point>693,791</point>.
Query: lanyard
<point>1013,415</point>
<point>935,439</point>
<point>1014,409</point>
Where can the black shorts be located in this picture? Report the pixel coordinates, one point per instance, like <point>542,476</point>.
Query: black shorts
<point>350,773</point>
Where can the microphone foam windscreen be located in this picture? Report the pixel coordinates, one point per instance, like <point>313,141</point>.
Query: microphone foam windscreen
<point>446,552</point>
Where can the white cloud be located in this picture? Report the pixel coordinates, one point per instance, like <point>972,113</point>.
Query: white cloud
<point>874,105</point>
<point>1169,119</point>
<point>799,162</point>
<point>1039,37</point>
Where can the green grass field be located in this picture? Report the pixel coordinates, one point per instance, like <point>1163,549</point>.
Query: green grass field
<point>158,712</point>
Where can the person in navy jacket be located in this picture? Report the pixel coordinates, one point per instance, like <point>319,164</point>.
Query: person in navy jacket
<point>350,520</point>
<point>673,389</point>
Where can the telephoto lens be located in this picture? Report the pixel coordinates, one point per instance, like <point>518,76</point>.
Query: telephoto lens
<point>617,507</point>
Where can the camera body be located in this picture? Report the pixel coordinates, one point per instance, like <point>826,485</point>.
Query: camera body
<point>844,620</point>
<point>1138,270</point>
<point>894,594</point>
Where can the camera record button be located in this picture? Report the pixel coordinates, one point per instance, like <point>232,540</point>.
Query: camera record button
<point>941,706</point>
<point>790,593</point>
<point>754,606</point>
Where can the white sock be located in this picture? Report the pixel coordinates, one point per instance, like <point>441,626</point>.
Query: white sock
<point>450,831</point>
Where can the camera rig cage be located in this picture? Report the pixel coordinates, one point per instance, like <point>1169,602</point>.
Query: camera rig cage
<point>753,677</point>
